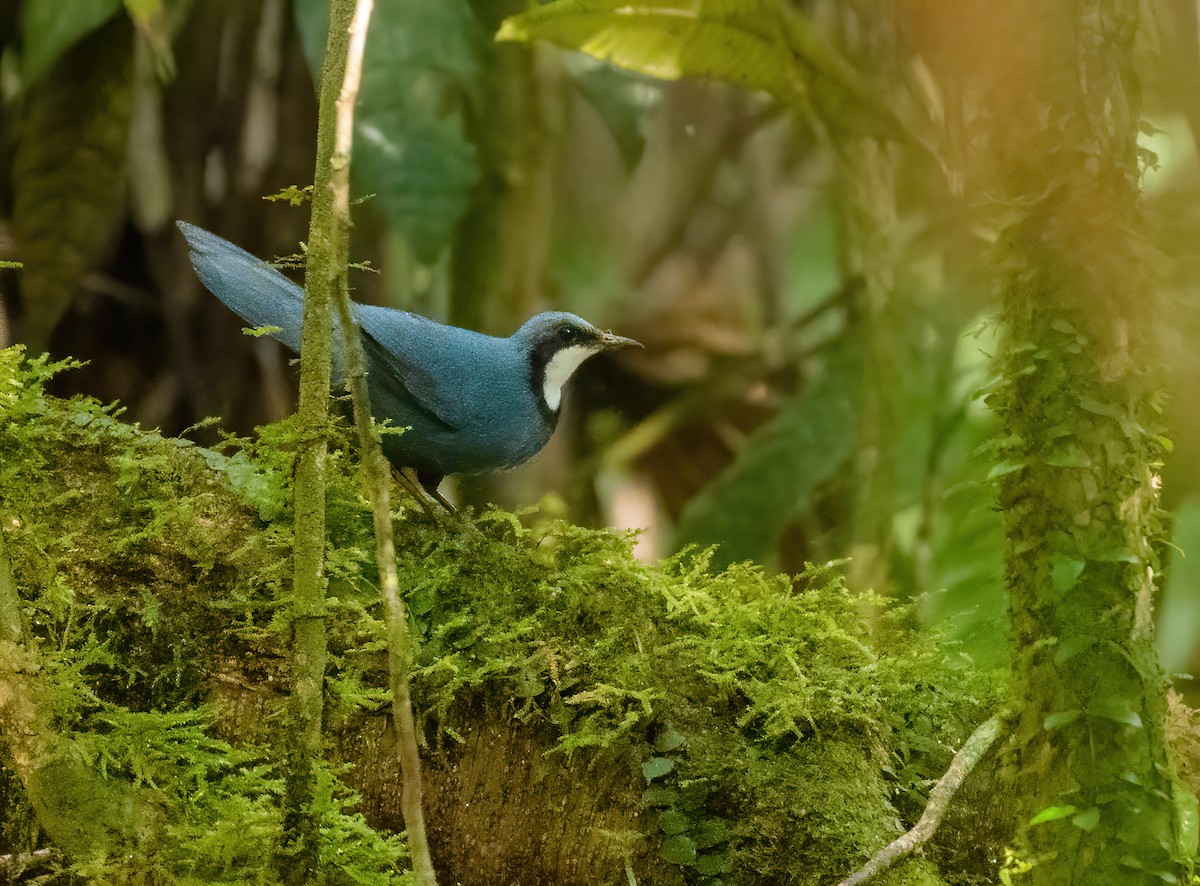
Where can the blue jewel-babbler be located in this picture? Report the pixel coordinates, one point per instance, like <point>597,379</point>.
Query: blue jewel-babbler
<point>472,403</point>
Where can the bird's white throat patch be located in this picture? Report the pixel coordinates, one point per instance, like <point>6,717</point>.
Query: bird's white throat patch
<point>560,368</point>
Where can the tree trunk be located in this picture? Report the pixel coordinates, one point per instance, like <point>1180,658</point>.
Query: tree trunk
<point>1050,104</point>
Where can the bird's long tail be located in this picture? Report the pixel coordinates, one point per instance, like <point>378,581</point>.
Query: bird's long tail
<point>247,285</point>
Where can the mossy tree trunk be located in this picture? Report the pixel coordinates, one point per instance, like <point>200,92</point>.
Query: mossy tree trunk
<point>326,266</point>
<point>1052,128</point>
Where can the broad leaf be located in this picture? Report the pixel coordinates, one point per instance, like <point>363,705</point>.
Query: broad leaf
<point>68,170</point>
<point>740,41</point>
<point>747,507</point>
<point>50,27</point>
<point>410,150</point>
<point>763,45</point>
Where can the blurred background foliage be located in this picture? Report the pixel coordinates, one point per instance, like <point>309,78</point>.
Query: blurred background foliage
<point>816,318</point>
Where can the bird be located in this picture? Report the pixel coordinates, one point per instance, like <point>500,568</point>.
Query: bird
<point>469,403</point>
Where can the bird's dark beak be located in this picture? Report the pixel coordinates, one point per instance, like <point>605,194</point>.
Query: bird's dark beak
<point>609,342</point>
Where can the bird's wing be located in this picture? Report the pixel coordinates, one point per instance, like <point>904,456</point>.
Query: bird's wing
<point>406,380</point>
<point>249,286</point>
<point>262,296</point>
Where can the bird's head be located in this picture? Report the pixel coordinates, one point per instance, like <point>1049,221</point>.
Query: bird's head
<point>558,343</point>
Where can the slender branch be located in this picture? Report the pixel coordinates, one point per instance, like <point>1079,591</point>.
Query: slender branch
<point>301,845</point>
<point>939,800</point>
<point>377,474</point>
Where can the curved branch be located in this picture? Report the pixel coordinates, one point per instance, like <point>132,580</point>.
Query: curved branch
<point>943,792</point>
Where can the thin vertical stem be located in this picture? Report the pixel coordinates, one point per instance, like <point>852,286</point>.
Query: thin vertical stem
<point>297,863</point>
<point>374,466</point>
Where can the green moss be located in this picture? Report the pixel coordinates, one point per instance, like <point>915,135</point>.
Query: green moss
<point>768,724</point>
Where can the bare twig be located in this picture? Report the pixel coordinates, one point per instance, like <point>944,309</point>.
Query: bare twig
<point>939,800</point>
<point>378,486</point>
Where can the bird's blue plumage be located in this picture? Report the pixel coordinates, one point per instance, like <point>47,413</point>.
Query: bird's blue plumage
<point>473,402</point>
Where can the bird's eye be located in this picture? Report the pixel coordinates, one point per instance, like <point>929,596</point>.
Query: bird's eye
<point>568,333</point>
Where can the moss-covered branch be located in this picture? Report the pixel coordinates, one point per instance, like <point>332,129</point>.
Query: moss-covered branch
<point>326,266</point>
<point>585,711</point>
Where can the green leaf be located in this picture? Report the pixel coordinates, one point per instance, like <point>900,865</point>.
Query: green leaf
<point>1072,646</point>
<point>1119,710</point>
<point>67,200</point>
<point>422,599</point>
<point>1065,573</point>
<point>762,45</point>
<point>672,822</point>
<point>1052,813</point>
<point>711,865</point>
<point>657,767</point>
<point>1179,612</point>
<point>1097,407</point>
<point>1004,468</point>
<point>1087,821</point>
<point>1061,718</point>
<point>668,740</point>
<point>739,41</point>
<point>659,795</point>
<point>710,832</point>
<point>421,65</point>
<point>50,27</point>
<point>679,850</point>
<point>616,96</point>
<point>1071,458</point>
<point>777,474</point>
<point>422,170</point>
<point>1187,821</point>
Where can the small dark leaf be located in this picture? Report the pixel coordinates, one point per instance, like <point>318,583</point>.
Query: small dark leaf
<point>659,795</point>
<point>679,850</point>
<point>673,822</point>
<point>422,600</point>
<point>710,832</point>
<point>668,741</point>
<point>711,865</point>
<point>657,767</point>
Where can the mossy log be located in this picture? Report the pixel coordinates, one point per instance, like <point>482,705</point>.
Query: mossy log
<point>587,718</point>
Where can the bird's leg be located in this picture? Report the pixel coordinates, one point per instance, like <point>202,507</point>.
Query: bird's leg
<point>423,485</point>
<point>430,480</point>
<point>408,479</point>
